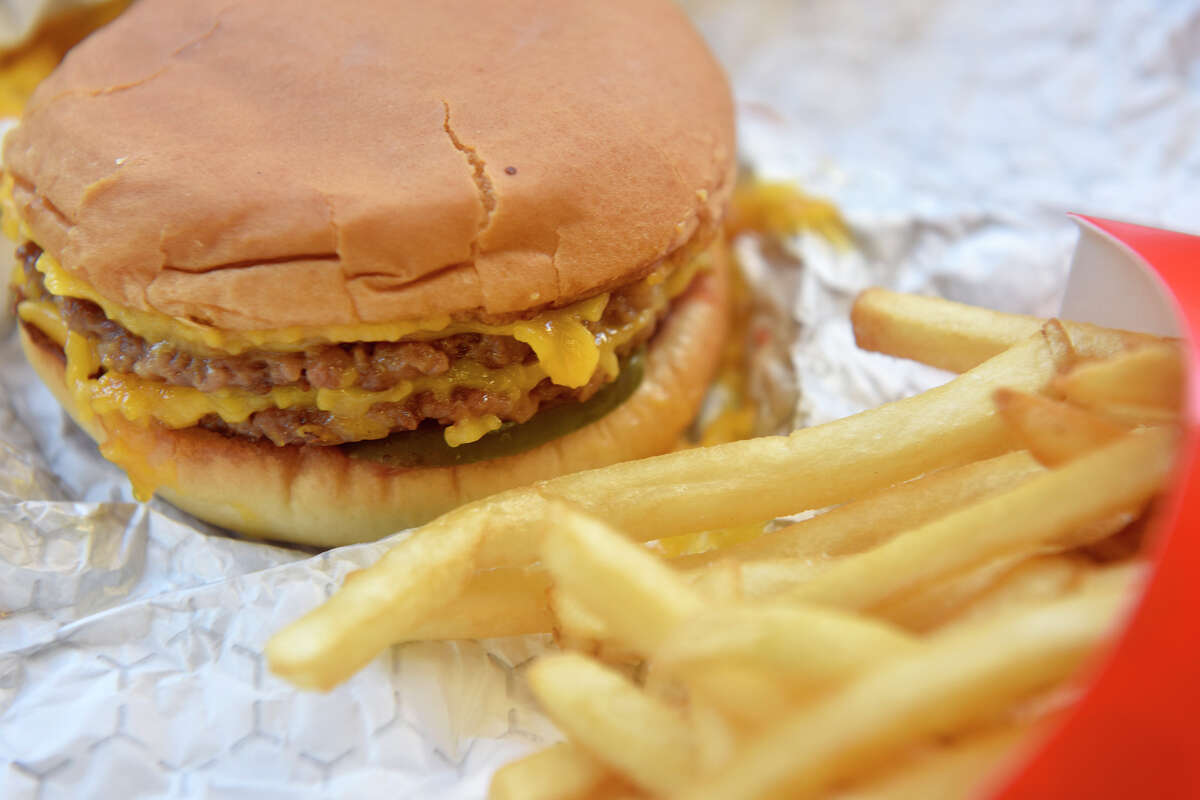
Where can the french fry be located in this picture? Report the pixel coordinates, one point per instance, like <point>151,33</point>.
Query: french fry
<point>940,333</point>
<point>753,662</point>
<point>958,678</point>
<point>637,597</point>
<point>511,601</point>
<point>956,771</point>
<point>717,582</point>
<point>606,715</point>
<point>1116,478</point>
<point>560,772</point>
<point>1053,431</point>
<point>768,578</point>
<point>1130,575</point>
<point>1096,342</point>
<point>332,642</point>
<point>715,737</point>
<point>862,524</point>
<point>1039,581</point>
<point>745,695</point>
<point>957,337</point>
<point>573,619</point>
<point>1145,384</point>
<point>805,647</point>
<point>1009,580</point>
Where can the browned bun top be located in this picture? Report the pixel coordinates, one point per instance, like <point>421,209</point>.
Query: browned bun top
<point>259,165</point>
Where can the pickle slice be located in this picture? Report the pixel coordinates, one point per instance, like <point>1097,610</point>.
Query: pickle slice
<point>426,446</point>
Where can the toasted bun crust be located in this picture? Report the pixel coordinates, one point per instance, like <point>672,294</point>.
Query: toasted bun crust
<point>318,496</point>
<point>374,160</point>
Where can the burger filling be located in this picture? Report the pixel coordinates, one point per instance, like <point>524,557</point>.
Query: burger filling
<point>468,378</point>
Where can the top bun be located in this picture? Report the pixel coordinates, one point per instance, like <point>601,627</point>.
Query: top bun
<point>264,165</point>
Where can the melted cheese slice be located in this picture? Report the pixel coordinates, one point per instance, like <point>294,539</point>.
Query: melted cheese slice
<point>560,337</point>
<point>142,400</point>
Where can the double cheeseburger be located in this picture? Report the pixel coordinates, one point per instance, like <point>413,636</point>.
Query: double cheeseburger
<point>319,271</point>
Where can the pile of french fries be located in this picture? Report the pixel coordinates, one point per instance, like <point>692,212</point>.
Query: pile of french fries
<point>966,552</point>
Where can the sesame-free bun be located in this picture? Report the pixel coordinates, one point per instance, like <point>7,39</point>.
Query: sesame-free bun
<point>318,496</point>
<point>260,165</point>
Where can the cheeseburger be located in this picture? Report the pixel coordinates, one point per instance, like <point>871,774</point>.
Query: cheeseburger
<point>319,271</point>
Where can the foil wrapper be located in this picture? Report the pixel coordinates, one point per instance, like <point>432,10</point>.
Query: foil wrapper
<point>953,136</point>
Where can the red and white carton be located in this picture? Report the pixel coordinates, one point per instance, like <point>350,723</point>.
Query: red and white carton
<point>1136,732</point>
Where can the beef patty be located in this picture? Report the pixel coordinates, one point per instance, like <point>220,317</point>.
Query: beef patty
<point>370,366</point>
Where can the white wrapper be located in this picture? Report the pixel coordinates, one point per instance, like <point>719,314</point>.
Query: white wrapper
<point>952,135</point>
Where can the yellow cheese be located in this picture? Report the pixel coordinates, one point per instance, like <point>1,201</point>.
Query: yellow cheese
<point>82,363</point>
<point>144,477</point>
<point>471,430</point>
<point>43,315</point>
<point>139,400</point>
<point>559,337</point>
<point>565,347</point>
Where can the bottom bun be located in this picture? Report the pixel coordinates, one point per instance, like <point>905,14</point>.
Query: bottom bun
<point>319,496</point>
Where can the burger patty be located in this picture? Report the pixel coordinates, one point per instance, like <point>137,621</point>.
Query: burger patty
<point>313,426</point>
<point>371,366</point>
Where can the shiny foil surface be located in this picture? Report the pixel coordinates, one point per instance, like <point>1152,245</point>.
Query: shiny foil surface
<point>952,135</point>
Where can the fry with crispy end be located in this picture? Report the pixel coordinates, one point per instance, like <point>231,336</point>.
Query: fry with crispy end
<point>862,524</point>
<point>955,771</point>
<point>1118,477</point>
<point>1149,380</point>
<point>622,726</point>
<point>1055,432</point>
<point>560,772</point>
<point>958,678</point>
<point>332,642</point>
<point>1095,342</point>
<point>957,337</point>
<point>638,599</point>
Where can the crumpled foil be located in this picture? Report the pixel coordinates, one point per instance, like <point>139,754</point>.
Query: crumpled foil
<point>952,135</point>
